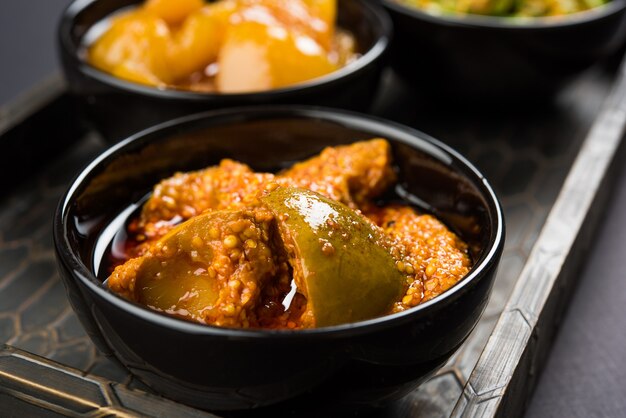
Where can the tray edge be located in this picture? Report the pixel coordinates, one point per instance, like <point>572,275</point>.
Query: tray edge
<point>505,375</point>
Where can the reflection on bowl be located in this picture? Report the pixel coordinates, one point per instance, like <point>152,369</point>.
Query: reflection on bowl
<point>363,363</point>
<point>118,108</point>
<point>493,59</point>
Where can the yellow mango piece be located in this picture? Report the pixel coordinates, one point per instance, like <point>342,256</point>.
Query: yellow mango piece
<point>256,57</point>
<point>314,18</point>
<point>134,48</point>
<point>326,10</point>
<point>172,11</point>
<point>136,72</point>
<point>198,41</point>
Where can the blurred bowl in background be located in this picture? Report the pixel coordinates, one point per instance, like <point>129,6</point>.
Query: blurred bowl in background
<point>118,108</point>
<point>476,58</point>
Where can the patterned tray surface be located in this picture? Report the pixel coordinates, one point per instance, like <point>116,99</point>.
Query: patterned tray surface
<point>526,152</point>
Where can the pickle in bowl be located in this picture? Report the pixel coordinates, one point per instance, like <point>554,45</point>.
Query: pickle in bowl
<point>307,247</point>
<point>226,46</point>
<point>278,257</point>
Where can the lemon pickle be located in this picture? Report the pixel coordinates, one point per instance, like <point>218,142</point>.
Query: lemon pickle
<point>226,46</point>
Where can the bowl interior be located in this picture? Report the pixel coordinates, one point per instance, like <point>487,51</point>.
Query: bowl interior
<point>84,20</point>
<point>432,176</point>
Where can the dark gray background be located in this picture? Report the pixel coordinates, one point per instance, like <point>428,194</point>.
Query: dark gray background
<point>586,373</point>
<point>27,43</point>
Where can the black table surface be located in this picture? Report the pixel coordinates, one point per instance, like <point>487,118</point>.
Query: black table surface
<point>585,375</point>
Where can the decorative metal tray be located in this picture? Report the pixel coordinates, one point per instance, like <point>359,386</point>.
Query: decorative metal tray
<point>547,164</point>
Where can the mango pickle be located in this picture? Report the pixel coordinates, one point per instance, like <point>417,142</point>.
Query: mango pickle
<point>351,174</point>
<point>210,269</point>
<point>329,248</point>
<point>307,247</point>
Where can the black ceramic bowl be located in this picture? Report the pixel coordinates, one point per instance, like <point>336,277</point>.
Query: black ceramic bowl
<point>495,59</point>
<point>362,363</point>
<point>118,108</point>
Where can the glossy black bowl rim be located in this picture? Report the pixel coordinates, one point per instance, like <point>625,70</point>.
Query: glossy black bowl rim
<point>351,120</point>
<point>377,14</point>
<point>509,23</point>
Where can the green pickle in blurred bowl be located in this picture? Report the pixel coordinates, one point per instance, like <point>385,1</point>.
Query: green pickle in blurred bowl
<point>511,8</point>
